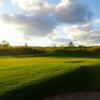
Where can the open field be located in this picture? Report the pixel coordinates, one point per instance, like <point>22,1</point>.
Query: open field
<point>36,77</point>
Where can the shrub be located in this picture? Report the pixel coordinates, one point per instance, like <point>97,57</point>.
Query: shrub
<point>95,49</point>
<point>26,50</point>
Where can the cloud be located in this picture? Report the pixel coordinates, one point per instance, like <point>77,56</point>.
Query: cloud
<point>83,34</point>
<point>68,11</point>
<point>78,29</point>
<point>1,4</point>
<point>54,33</point>
<point>39,19</point>
<point>60,40</point>
<point>39,6</point>
<point>24,38</point>
<point>33,25</point>
<point>97,20</point>
<point>95,36</point>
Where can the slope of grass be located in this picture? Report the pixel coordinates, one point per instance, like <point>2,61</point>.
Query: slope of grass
<point>73,53</point>
<point>34,78</point>
<point>65,53</point>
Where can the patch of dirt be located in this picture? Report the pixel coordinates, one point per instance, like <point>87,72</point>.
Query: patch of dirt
<point>76,96</point>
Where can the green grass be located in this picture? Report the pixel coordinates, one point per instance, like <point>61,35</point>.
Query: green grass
<point>34,78</point>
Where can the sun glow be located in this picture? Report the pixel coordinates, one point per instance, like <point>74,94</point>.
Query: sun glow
<point>8,32</point>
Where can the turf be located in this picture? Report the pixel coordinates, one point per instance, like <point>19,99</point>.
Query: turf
<point>34,78</point>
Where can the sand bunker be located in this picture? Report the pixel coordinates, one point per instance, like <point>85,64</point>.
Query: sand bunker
<point>76,96</point>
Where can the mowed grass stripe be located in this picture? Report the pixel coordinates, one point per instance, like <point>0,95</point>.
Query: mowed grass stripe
<point>41,60</point>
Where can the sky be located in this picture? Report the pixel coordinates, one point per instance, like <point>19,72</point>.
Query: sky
<point>50,22</point>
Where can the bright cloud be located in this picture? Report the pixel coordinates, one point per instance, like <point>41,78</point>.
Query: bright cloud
<point>54,33</point>
<point>97,21</point>
<point>8,33</point>
<point>78,29</point>
<point>1,4</point>
<point>83,34</point>
<point>34,5</point>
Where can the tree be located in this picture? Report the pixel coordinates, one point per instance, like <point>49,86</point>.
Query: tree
<point>5,43</point>
<point>71,44</point>
<point>26,45</point>
<point>79,46</point>
<point>54,46</point>
<point>61,46</point>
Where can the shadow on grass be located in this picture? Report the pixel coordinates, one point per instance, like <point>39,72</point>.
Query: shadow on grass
<point>75,62</point>
<point>81,79</point>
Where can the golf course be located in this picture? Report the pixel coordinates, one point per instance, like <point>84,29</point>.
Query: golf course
<point>35,77</point>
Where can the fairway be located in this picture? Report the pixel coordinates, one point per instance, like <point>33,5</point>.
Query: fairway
<point>34,78</point>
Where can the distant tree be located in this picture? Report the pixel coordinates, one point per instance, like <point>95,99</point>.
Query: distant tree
<point>61,46</point>
<point>71,44</point>
<point>54,46</point>
<point>79,46</point>
<point>5,43</point>
<point>83,47</point>
<point>26,45</point>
